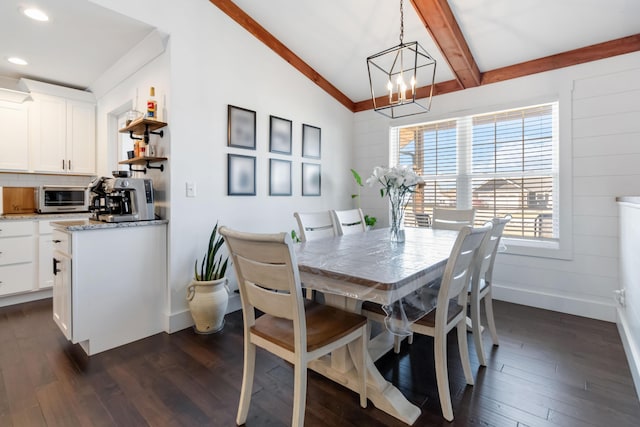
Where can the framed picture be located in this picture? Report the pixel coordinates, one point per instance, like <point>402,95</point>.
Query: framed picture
<point>279,177</point>
<point>279,135</point>
<point>310,179</point>
<point>241,128</point>
<point>241,178</point>
<point>310,142</point>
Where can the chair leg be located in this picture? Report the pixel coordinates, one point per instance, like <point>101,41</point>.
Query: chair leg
<point>488,308</point>
<point>464,351</point>
<point>247,382</point>
<point>442,377</point>
<point>362,369</point>
<point>477,330</point>
<point>299,393</point>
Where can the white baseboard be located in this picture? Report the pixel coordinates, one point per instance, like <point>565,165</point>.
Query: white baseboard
<point>20,298</point>
<point>562,303</point>
<point>631,348</point>
<point>182,320</point>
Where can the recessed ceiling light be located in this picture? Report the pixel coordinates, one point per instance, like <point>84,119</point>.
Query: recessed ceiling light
<point>36,14</point>
<point>17,61</point>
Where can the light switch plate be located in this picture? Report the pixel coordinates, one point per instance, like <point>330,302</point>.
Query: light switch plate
<point>191,189</point>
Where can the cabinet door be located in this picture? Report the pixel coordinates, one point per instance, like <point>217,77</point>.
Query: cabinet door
<point>62,293</point>
<point>81,137</point>
<point>14,133</point>
<point>16,278</point>
<point>45,256</point>
<point>47,133</point>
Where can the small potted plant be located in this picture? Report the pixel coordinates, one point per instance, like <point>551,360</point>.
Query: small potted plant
<point>208,294</point>
<point>370,221</point>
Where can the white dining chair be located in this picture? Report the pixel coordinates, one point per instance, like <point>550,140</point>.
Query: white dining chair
<point>481,281</point>
<point>450,311</point>
<point>452,219</point>
<point>292,328</point>
<point>315,225</point>
<point>349,221</point>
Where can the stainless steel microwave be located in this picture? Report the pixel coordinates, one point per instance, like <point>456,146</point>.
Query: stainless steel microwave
<point>61,199</point>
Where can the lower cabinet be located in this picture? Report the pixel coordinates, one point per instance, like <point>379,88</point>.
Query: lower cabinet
<point>110,284</point>
<point>26,258</point>
<point>61,269</point>
<point>17,256</point>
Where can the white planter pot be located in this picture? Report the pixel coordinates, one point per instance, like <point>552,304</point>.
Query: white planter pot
<point>208,304</point>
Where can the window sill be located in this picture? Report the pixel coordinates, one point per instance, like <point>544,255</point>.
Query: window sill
<point>535,248</point>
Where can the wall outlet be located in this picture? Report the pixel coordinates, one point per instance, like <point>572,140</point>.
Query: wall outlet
<point>191,189</point>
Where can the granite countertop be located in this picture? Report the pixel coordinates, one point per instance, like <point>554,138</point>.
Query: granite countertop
<point>36,216</point>
<point>89,224</point>
<point>629,199</point>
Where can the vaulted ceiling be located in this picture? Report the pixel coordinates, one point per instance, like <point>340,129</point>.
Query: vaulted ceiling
<point>475,42</point>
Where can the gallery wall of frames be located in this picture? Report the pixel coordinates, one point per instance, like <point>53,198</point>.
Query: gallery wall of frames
<point>241,168</point>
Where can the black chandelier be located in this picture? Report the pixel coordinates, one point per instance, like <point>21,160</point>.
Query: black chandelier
<point>394,76</point>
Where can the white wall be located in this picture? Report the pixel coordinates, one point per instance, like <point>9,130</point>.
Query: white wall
<point>214,62</point>
<point>600,131</point>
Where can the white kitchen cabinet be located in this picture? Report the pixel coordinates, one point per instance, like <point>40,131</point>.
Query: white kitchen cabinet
<point>110,284</point>
<point>14,136</point>
<point>62,135</point>
<point>17,255</point>
<point>81,138</point>
<point>61,257</point>
<point>46,244</point>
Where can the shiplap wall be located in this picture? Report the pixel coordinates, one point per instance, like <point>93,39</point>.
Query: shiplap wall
<point>600,139</point>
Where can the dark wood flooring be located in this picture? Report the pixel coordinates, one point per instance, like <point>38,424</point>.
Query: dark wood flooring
<point>551,369</point>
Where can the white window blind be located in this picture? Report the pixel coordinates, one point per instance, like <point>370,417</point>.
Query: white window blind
<point>499,163</point>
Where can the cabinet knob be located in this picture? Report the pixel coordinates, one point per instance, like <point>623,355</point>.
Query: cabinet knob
<point>56,241</point>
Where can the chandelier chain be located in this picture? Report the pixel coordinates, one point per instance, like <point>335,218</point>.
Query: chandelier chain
<point>401,22</point>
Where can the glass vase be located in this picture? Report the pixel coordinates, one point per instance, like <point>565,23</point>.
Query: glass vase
<point>396,232</point>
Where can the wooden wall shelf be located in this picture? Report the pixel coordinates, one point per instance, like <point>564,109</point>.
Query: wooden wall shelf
<point>143,161</point>
<point>143,127</point>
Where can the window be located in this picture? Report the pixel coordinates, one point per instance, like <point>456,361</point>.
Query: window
<point>500,163</point>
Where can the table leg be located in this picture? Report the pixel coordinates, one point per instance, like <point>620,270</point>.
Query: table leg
<point>339,367</point>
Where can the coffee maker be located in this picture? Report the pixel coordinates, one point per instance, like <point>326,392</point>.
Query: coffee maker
<point>121,199</point>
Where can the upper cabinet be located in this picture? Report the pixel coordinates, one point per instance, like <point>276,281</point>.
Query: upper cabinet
<point>14,136</point>
<point>62,135</point>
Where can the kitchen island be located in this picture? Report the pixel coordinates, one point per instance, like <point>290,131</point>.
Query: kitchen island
<point>110,281</point>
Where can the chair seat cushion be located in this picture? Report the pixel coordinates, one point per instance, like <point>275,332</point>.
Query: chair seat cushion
<point>324,325</point>
<point>453,309</point>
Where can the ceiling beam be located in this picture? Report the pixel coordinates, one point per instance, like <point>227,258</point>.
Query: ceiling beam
<point>259,32</point>
<point>437,17</point>
<point>566,59</point>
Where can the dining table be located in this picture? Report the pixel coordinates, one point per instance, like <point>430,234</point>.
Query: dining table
<point>350,269</point>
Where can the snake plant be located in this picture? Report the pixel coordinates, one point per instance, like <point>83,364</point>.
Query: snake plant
<point>212,268</point>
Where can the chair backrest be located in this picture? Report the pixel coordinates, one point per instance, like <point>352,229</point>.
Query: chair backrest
<point>486,257</point>
<point>315,225</point>
<point>349,222</point>
<point>268,277</point>
<point>457,273</point>
<point>452,219</point>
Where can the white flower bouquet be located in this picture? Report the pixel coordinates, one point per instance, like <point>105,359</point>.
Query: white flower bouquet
<point>398,183</point>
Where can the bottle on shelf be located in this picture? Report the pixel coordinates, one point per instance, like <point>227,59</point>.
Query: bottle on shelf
<point>152,105</point>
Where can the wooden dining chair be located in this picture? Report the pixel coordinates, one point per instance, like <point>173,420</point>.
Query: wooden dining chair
<point>452,219</point>
<point>315,225</point>
<point>349,221</point>
<point>450,311</point>
<point>292,328</point>
<point>481,280</point>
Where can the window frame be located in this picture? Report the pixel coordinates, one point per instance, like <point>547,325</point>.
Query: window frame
<point>557,249</point>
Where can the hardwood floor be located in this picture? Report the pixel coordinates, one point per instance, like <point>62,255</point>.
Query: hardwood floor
<point>551,369</point>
